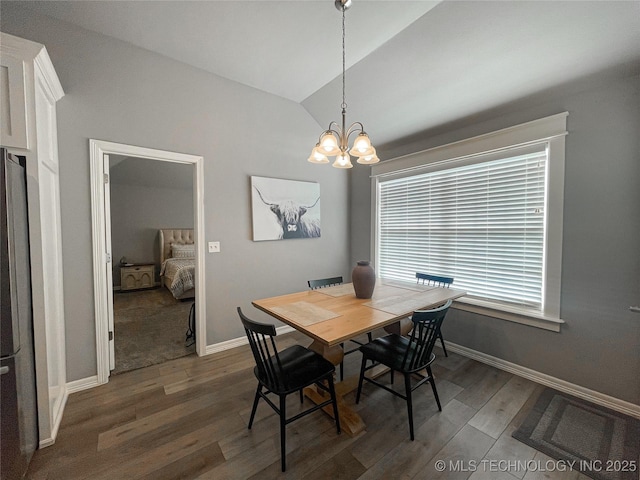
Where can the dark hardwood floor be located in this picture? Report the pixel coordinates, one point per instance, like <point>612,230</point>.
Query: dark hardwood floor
<point>187,418</point>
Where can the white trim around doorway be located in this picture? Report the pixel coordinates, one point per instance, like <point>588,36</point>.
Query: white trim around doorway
<point>99,148</point>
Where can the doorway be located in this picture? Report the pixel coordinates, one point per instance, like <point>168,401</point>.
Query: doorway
<point>147,197</point>
<point>103,256</point>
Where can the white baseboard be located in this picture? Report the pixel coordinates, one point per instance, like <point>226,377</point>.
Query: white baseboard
<point>47,442</point>
<point>56,420</point>
<point>598,398</point>
<point>90,382</point>
<point>82,384</point>
<point>117,288</point>
<point>237,342</point>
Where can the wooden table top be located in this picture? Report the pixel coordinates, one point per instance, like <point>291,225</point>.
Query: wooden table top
<point>333,315</point>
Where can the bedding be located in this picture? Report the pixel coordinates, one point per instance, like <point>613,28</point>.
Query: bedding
<point>179,250</point>
<point>177,244</point>
<point>181,272</point>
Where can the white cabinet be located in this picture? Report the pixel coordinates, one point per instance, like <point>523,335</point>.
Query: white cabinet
<point>13,108</point>
<point>29,90</point>
<point>135,277</point>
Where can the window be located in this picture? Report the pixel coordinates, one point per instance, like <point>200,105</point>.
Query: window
<point>486,218</point>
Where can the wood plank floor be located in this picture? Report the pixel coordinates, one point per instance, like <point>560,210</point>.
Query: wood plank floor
<point>187,418</point>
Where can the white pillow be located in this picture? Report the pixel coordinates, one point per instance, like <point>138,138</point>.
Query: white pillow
<point>179,250</point>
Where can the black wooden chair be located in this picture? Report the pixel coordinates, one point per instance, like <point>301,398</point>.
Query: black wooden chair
<point>436,281</point>
<point>329,282</point>
<point>285,372</point>
<point>408,356</point>
<point>324,282</point>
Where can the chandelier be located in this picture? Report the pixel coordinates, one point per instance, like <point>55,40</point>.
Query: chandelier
<point>335,140</point>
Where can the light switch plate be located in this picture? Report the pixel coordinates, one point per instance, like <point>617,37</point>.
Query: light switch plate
<point>214,247</point>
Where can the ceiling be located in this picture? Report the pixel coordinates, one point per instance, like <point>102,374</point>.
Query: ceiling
<point>412,65</point>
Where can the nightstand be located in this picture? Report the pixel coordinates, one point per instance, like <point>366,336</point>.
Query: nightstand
<point>137,276</point>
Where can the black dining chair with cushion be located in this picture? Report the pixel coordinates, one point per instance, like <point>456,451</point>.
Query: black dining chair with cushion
<point>408,356</point>
<point>285,372</point>
<point>436,281</point>
<point>329,282</point>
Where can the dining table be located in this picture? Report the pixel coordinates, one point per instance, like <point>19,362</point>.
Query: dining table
<point>333,315</point>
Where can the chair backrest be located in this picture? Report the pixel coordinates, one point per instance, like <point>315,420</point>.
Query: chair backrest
<point>324,282</point>
<point>426,325</point>
<point>435,280</point>
<point>264,350</point>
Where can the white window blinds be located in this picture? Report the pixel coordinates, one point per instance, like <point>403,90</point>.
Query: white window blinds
<point>481,223</point>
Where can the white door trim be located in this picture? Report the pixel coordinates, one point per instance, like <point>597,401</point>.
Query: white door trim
<point>109,270</point>
<point>98,148</point>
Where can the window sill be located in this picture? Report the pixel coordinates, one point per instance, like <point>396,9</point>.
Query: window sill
<point>510,314</point>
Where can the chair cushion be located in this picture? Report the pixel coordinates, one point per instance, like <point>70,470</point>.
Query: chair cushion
<point>300,367</point>
<point>390,351</point>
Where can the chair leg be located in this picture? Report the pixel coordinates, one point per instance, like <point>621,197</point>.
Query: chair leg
<point>301,396</point>
<point>342,365</point>
<point>442,342</point>
<point>332,391</point>
<point>392,372</point>
<point>433,387</point>
<point>255,405</point>
<point>283,426</point>
<point>369,336</point>
<point>364,363</point>
<point>407,386</point>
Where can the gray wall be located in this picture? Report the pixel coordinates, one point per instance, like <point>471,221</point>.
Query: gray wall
<point>137,213</point>
<point>599,346</point>
<point>124,94</point>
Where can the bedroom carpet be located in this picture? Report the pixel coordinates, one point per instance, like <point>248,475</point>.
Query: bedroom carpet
<point>150,328</point>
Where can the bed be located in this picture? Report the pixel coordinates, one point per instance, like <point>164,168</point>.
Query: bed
<point>177,261</point>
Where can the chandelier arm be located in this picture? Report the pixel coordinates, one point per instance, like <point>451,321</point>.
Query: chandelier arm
<point>337,131</point>
<point>355,127</point>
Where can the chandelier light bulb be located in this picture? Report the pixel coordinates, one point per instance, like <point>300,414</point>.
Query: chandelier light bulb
<point>362,146</point>
<point>369,159</point>
<point>317,156</point>
<point>343,160</point>
<point>329,144</point>
<point>362,143</point>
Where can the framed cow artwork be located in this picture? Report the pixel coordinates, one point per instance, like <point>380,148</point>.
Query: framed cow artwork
<point>284,209</point>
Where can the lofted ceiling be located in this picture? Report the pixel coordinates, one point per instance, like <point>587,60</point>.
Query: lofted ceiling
<point>412,65</point>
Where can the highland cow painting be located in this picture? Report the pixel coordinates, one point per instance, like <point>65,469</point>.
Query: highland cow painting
<point>284,209</point>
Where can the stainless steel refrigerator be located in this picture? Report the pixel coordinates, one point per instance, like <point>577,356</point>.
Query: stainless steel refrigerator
<point>18,408</point>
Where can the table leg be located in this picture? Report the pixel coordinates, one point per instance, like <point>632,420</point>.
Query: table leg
<point>401,327</point>
<point>334,354</point>
<point>350,420</point>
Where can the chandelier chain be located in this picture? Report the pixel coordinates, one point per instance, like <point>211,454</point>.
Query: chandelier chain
<point>344,104</point>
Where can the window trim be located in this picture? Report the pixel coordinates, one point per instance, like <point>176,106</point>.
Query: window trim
<point>551,130</point>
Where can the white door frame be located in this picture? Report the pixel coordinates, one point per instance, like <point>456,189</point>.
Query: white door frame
<point>98,149</point>
<point>106,186</point>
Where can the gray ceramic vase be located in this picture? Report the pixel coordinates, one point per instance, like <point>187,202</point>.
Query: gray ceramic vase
<point>363,278</point>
